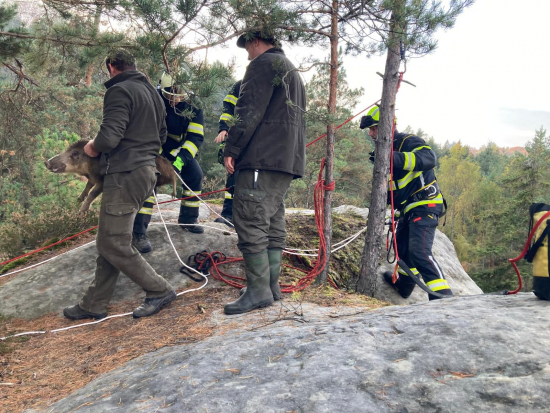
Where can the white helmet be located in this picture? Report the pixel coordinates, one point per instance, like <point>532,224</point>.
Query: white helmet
<point>169,89</point>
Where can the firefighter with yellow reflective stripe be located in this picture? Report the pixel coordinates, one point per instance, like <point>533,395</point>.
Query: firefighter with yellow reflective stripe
<point>229,103</point>
<point>185,126</point>
<point>419,202</point>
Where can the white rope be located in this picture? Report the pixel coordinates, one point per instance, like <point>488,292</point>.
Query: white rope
<point>346,242</point>
<point>49,259</point>
<point>200,199</point>
<point>124,314</point>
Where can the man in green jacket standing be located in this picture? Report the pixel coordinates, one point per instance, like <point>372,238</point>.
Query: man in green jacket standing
<point>266,151</point>
<point>129,139</point>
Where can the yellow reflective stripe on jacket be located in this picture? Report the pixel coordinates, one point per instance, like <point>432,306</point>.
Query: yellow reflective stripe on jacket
<point>228,195</point>
<point>174,152</point>
<point>437,200</point>
<point>421,147</point>
<point>191,147</point>
<point>407,179</point>
<point>439,284</point>
<point>146,211</point>
<point>231,99</point>
<point>410,161</point>
<point>195,128</point>
<point>226,116</point>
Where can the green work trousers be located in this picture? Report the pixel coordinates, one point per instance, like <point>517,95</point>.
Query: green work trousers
<point>259,213</point>
<point>123,196</point>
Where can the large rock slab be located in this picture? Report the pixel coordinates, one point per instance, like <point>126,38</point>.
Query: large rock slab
<point>62,281</point>
<point>466,354</point>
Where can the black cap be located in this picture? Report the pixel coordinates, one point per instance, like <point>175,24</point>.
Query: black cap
<point>253,35</point>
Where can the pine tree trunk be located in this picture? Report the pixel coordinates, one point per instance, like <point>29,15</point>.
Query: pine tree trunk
<point>331,128</point>
<point>90,69</point>
<point>367,281</point>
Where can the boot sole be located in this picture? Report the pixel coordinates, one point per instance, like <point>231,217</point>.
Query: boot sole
<point>275,297</point>
<point>262,304</point>
<point>160,307</point>
<point>85,317</point>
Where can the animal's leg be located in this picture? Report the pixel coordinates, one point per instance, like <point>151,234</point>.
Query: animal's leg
<point>94,193</point>
<point>85,192</point>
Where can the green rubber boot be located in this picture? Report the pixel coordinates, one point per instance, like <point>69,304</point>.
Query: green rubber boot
<point>275,256</point>
<point>257,294</point>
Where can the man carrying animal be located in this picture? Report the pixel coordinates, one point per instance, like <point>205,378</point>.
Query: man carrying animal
<point>132,131</point>
<point>227,115</point>
<point>419,202</point>
<point>185,127</point>
<point>267,148</point>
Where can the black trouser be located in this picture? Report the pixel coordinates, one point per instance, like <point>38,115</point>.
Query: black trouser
<point>227,210</point>
<point>192,175</point>
<point>415,236</point>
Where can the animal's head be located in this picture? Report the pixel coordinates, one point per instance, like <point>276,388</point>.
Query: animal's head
<point>74,160</point>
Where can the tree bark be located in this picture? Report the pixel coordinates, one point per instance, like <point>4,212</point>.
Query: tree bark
<point>90,69</point>
<point>367,281</point>
<point>331,128</point>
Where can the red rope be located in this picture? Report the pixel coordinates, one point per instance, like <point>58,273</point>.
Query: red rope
<point>525,249</point>
<point>49,246</point>
<point>319,265</point>
<point>395,276</point>
<point>342,124</point>
<point>193,196</point>
<point>320,187</point>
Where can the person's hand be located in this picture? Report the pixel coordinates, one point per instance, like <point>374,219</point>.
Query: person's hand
<point>89,149</point>
<point>221,136</point>
<point>229,164</point>
<point>178,164</point>
<point>371,157</point>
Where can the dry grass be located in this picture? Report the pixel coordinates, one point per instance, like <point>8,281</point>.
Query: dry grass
<point>43,369</point>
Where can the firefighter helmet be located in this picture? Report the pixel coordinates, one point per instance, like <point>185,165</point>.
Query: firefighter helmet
<point>169,89</point>
<point>371,119</point>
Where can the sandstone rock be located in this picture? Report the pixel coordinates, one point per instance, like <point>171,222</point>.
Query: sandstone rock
<point>465,354</point>
<point>61,282</point>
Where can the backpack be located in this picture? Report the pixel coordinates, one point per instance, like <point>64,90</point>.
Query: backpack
<point>538,253</point>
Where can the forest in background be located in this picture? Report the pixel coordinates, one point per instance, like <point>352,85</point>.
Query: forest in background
<point>54,96</point>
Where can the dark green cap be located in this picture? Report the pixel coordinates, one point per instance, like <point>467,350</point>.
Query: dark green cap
<point>252,35</point>
<point>120,58</point>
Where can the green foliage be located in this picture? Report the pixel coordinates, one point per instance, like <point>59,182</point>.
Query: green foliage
<point>489,197</point>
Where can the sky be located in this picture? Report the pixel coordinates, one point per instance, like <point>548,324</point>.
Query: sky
<point>487,81</point>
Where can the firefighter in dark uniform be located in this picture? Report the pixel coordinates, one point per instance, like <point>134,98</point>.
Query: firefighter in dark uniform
<point>419,204</point>
<point>229,103</point>
<point>266,146</point>
<point>185,125</point>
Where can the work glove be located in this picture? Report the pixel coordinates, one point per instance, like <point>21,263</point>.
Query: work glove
<point>371,157</point>
<point>220,153</point>
<point>178,164</point>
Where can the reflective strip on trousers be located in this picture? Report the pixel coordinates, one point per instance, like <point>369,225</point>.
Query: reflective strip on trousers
<point>191,204</point>
<point>437,285</point>
<point>228,195</point>
<point>146,211</point>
